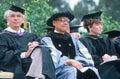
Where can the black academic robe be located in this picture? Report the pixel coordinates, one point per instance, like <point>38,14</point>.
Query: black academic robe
<point>98,46</point>
<point>64,43</point>
<point>11,46</point>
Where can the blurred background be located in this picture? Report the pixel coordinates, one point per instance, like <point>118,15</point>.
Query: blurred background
<point>38,11</point>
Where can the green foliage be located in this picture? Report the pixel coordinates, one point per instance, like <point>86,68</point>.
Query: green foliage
<point>111,8</point>
<point>37,14</point>
<point>109,24</point>
<point>2,21</point>
<point>59,5</point>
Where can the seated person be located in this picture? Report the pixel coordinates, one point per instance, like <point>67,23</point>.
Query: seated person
<point>69,55</point>
<point>101,49</point>
<point>17,46</point>
<point>114,36</point>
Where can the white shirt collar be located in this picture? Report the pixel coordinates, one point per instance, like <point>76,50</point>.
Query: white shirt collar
<point>11,30</point>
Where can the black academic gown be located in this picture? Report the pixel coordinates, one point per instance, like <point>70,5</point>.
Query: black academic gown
<point>99,46</point>
<point>64,43</point>
<point>11,46</point>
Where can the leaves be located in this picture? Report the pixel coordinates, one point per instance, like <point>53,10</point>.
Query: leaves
<point>40,11</point>
<point>109,24</point>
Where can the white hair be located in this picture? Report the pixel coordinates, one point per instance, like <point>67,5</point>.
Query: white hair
<point>7,14</point>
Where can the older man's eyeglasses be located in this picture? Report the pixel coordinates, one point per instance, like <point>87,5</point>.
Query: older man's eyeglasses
<point>63,20</point>
<point>13,16</point>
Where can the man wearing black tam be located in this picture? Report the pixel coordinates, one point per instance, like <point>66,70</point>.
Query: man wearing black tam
<point>101,49</point>
<point>69,55</point>
<point>20,52</point>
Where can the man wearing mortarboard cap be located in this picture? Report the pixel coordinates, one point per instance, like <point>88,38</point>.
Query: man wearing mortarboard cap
<point>68,53</point>
<point>101,48</point>
<point>17,9</point>
<point>18,50</point>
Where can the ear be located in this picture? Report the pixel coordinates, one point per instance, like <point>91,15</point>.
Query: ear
<point>22,21</point>
<point>89,27</point>
<point>6,21</point>
<point>54,23</point>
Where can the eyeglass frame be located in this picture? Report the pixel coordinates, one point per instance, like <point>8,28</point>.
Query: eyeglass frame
<point>63,19</point>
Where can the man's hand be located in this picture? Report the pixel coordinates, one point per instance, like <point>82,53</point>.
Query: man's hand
<point>108,57</point>
<point>74,63</point>
<point>31,46</point>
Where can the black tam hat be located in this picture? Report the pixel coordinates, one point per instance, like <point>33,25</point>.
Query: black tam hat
<point>57,15</point>
<point>113,33</point>
<point>17,9</point>
<point>96,15</point>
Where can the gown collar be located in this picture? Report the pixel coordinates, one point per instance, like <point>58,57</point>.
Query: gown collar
<point>18,33</point>
<point>94,36</point>
<point>64,36</point>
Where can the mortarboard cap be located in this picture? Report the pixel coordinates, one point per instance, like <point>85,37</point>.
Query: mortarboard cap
<point>96,15</point>
<point>74,28</point>
<point>113,33</point>
<point>57,15</point>
<point>17,9</point>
